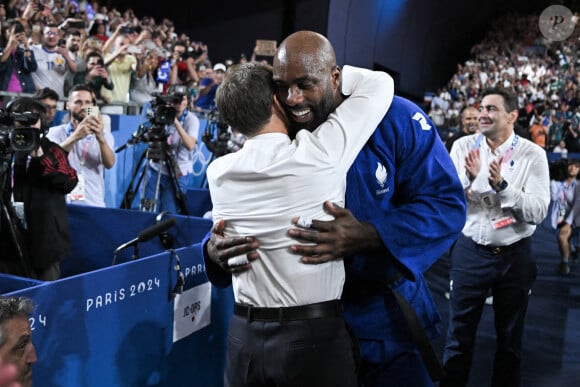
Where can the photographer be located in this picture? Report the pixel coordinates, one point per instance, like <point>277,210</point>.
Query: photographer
<point>42,176</point>
<point>182,137</point>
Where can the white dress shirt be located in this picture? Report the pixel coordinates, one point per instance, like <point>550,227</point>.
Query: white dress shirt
<point>526,198</point>
<point>260,188</point>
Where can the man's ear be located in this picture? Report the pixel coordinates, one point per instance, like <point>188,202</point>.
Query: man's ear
<point>513,116</point>
<point>335,77</point>
<point>278,110</point>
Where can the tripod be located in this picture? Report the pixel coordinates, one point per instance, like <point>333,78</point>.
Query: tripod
<point>14,237</point>
<point>157,151</point>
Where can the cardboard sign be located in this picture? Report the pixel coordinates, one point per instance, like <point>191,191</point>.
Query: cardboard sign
<point>266,47</point>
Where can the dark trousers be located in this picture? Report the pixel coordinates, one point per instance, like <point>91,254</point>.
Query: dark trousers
<point>314,352</point>
<point>510,273</point>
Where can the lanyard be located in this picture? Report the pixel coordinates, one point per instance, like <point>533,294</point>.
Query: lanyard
<point>508,154</point>
<point>510,151</point>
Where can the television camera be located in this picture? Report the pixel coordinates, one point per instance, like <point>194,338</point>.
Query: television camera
<point>159,114</point>
<point>23,138</point>
<point>13,139</point>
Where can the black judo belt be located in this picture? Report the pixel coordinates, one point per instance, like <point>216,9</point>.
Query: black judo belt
<point>416,329</point>
<point>420,338</point>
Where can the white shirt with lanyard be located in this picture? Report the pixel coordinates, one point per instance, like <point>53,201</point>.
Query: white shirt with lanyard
<point>503,218</point>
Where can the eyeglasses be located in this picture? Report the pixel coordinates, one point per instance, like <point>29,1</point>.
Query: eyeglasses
<point>51,33</point>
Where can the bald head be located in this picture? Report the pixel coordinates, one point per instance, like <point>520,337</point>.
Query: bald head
<point>309,48</point>
<point>307,79</point>
<point>469,123</point>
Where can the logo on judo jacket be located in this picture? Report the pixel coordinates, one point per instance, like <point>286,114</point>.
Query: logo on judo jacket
<point>420,118</point>
<point>381,178</point>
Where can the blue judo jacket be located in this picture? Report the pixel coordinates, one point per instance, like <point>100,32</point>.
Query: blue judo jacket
<point>405,184</point>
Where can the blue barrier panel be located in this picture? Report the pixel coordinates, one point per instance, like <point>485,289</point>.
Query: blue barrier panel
<point>118,325</point>
<point>97,232</point>
<point>198,201</point>
<point>552,156</point>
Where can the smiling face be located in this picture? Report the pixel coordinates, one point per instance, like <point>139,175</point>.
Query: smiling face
<point>307,80</point>
<point>469,120</point>
<point>494,120</point>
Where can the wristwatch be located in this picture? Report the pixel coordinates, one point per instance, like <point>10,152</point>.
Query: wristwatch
<point>501,186</point>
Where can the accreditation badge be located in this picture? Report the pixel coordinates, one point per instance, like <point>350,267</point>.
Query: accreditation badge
<point>498,217</point>
<point>78,192</point>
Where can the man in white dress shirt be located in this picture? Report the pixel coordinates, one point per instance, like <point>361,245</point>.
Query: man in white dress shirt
<point>293,310</point>
<point>507,186</point>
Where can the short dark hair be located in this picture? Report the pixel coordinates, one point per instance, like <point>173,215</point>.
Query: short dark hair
<point>510,99</point>
<point>45,92</point>
<point>83,87</point>
<point>13,307</point>
<point>245,97</point>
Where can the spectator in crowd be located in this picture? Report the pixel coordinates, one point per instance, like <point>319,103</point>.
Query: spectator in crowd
<point>49,98</point>
<point>469,125</point>
<point>53,61</point>
<point>120,65</point>
<point>381,273</point>
<point>16,347</point>
<point>42,178</point>
<point>182,137</point>
<point>506,181</point>
<point>208,87</point>
<point>98,29</point>
<point>17,62</point>
<point>73,40</point>
<point>89,146</point>
<point>183,66</point>
<point>561,211</point>
<point>90,45</point>
<point>538,131</point>
<point>144,83</point>
<point>95,76</point>
<point>561,149</point>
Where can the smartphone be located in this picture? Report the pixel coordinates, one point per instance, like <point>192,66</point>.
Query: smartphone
<point>77,24</point>
<point>93,110</point>
<point>132,49</point>
<point>18,27</point>
<point>62,42</point>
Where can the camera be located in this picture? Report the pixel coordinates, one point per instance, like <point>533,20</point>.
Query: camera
<point>127,30</point>
<point>21,139</point>
<point>218,137</point>
<point>77,24</point>
<point>162,111</point>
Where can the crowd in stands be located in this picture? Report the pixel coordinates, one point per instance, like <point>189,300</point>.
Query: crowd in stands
<point>126,59</point>
<point>545,75</point>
